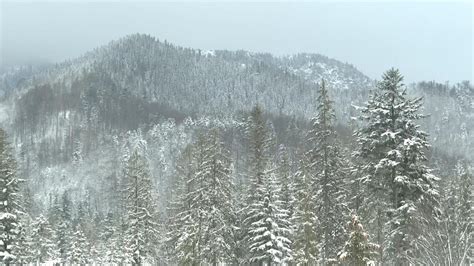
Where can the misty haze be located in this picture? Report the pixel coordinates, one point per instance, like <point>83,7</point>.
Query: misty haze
<point>236,133</point>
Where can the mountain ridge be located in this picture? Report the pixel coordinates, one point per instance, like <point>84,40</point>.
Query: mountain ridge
<point>241,57</point>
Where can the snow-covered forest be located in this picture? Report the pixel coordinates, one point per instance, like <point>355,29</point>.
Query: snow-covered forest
<point>143,152</point>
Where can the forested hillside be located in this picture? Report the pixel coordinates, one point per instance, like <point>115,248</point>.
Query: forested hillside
<point>145,152</point>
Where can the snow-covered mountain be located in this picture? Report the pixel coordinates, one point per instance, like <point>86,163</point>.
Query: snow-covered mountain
<point>71,122</point>
<point>314,67</point>
<point>191,80</point>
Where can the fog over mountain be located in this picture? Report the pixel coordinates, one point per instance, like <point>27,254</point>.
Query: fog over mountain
<point>249,141</point>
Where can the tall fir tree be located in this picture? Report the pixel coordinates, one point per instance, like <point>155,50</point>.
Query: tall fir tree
<point>285,177</point>
<point>287,197</point>
<point>80,253</point>
<point>10,201</point>
<point>239,204</point>
<point>196,198</point>
<point>266,224</point>
<point>305,219</point>
<point>358,250</point>
<point>24,249</point>
<point>87,223</point>
<point>259,143</point>
<point>110,240</point>
<point>180,241</point>
<point>220,214</point>
<point>392,152</point>
<point>355,187</point>
<point>60,219</point>
<point>43,238</point>
<point>327,167</point>
<point>142,233</point>
<point>259,147</point>
<point>203,229</point>
<point>466,214</point>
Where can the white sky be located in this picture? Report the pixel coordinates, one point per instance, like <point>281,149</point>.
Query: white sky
<point>426,40</point>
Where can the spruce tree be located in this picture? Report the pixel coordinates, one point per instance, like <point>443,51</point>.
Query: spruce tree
<point>466,216</point>
<point>79,247</point>
<point>85,221</point>
<point>287,197</point>
<point>43,241</point>
<point>195,198</point>
<point>24,249</point>
<point>182,237</point>
<point>259,148</point>
<point>10,201</point>
<point>267,225</point>
<point>239,204</point>
<point>203,227</point>
<point>142,229</point>
<point>110,241</point>
<point>358,250</point>
<point>355,189</point>
<point>60,219</point>
<point>179,244</point>
<point>259,144</point>
<point>305,219</point>
<point>285,177</point>
<point>218,188</point>
<point>64,239</point>
<point>327,167</point>
<point>392,152</point>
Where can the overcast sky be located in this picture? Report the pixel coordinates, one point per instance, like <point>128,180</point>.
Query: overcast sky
<point>427,41</point>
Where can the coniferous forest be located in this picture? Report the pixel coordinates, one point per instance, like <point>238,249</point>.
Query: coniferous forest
<point>142,152</point>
